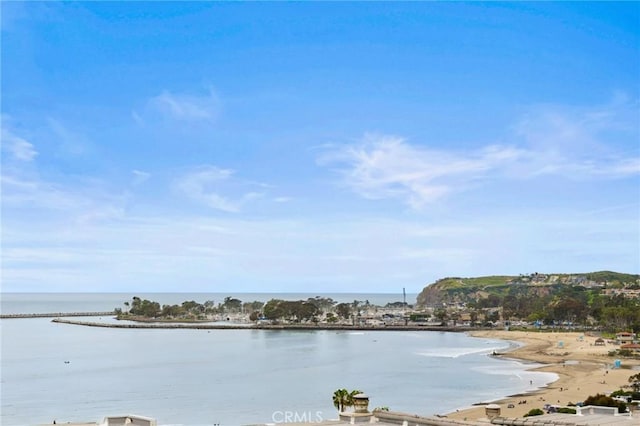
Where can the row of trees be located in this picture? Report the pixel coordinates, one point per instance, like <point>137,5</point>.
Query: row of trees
<point>276,309</point>
<point>191,309</point>
<point>296,311</point>
<point>315,307</point>
<point>309,310</point>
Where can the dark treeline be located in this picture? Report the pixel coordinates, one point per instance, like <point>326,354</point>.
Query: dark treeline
<point>187,310</point>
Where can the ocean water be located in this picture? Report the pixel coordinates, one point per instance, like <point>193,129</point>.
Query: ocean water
<point>234,377</point>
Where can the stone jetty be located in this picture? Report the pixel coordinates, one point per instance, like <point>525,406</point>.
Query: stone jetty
<point>58,314</point>
<point>231,326</point>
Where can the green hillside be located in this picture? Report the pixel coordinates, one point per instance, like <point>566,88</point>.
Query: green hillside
<point>457,289</point>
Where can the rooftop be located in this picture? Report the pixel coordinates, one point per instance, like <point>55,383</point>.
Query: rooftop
<point>568,420</point>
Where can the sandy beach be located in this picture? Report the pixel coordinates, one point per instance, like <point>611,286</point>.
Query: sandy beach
<point>583,369</point>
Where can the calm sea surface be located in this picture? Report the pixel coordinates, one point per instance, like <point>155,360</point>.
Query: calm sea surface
<point>233,377</point>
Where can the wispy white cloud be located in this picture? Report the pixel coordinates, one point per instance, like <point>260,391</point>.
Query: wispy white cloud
<point>282,199</point>
<point>209,185</point>
<point>389,167</point>
<point>19,148</point>
<point>576,144</point>
<point>200,185</point>
<point>76,201</point>
<point>139,177</point>
<point>137,118</point>
<point>101,213</point>
<point>31,192</point>
<point>71,144</point>
<point>40,192</point>
<point>609,168</point>
<point>185,107</point>
<point>581,142</point>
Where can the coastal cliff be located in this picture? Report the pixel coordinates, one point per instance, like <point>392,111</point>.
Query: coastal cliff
<point>456,290</point>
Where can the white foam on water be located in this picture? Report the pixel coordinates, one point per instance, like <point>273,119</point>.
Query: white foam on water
<point>521,372</point>
<point>453,352</point>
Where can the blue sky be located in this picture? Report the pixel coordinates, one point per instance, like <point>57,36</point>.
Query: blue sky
<point>316,147</point>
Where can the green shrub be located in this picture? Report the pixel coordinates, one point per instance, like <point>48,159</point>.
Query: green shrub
<point>566,410</point>
<point>605,401</point>
<point>534,412</point>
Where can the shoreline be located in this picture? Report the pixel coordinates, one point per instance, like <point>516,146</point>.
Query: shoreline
<point>582,369</point>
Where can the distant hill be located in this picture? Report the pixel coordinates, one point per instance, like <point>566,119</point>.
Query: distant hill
<point>464,290</point>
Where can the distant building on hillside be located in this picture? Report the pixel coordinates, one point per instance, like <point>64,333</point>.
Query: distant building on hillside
<point>625,337</point>
<point>626,292</point>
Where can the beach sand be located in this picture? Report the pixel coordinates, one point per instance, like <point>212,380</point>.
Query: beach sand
<point>583,370</point>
